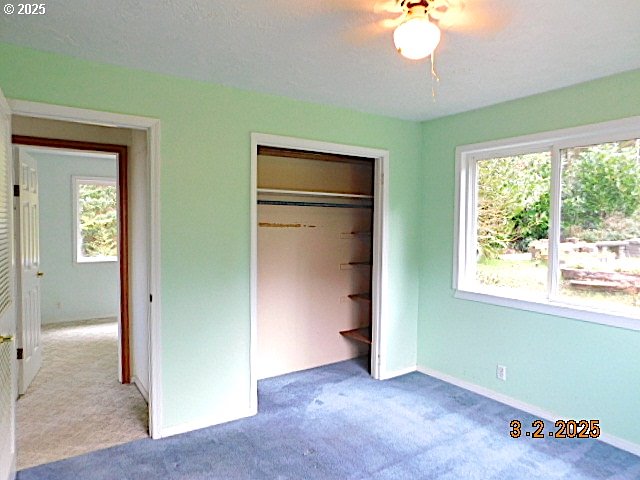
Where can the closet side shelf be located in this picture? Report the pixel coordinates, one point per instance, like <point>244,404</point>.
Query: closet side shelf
<point>361,296</point>
<point>362,334</point>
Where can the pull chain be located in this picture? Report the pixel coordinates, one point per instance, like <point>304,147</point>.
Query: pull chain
<point>435,79</point>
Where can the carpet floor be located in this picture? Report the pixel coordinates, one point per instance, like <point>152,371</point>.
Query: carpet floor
<point>335,422</point>
<point>75,404</point>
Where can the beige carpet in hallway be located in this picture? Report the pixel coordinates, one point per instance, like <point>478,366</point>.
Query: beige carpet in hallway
<point>75,404</point>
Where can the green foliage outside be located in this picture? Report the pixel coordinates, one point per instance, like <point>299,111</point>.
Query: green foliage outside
<point>601,192</point>
<point>513,202</point>
<point>600,197</point>
<point>98,220</point>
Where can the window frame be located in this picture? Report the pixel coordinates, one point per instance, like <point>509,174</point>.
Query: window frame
<point>465,227</point>
<point>76,181</point>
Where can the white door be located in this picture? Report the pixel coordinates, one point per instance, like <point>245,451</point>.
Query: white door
<point>28,255</point>
<point>8,381</point>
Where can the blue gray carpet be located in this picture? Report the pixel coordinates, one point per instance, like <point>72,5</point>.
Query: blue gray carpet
<point>335,422</point>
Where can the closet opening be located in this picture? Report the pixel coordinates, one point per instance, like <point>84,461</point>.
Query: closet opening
<point>317,262</point>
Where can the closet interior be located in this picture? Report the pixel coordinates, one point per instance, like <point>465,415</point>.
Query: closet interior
<point>315,223</point>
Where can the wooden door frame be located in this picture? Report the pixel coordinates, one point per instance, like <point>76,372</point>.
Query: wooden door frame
<point>153,252</point>
<point>121,152</point>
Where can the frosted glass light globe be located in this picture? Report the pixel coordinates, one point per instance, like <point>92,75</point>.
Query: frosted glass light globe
<point>416,38</point>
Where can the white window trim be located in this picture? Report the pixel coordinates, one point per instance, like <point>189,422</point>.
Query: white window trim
<point>465,228</point>
<point>77,180</point>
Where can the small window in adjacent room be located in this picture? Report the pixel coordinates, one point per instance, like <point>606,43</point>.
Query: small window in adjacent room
<point>551,223</point>
<point>96,219</point>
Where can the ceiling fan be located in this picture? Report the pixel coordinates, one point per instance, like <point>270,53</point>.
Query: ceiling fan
<point>414,20</point>
<point>416,34</point>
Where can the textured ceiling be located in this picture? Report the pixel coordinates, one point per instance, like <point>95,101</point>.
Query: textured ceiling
<point>336,52</point>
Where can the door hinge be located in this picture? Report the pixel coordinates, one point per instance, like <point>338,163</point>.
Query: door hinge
<point>16,190</point>
<point>19,351</point>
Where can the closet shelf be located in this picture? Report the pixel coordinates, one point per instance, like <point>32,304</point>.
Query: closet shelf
<point>360,235</point>
<point>362,334</point>
<point>307,193</point>
<point>366,297</point>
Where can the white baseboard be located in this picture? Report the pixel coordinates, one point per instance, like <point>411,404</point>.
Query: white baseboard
<point>386,375</point>
<point>11,474</point>
<point>527,407</point>
<point>205,422</point>
<point>141,388</point>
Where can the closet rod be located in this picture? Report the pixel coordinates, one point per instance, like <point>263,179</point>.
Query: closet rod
<point>311,204</point>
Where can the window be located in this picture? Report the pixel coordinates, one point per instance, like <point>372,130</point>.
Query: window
<point>551,223</point>
<point>96,219</point>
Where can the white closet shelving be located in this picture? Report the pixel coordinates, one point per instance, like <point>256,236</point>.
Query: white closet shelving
<point>307,193</point>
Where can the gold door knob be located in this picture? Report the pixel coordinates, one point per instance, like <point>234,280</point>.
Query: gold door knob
<point>6,338</point>
<point>40,274</point>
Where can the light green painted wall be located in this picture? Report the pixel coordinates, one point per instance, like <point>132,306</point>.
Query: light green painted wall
<point>70,290</point>
<point>568,367</point>
<point>205,209</point>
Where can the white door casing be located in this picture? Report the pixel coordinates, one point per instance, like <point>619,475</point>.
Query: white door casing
<point>8,384</point>
<point>152,172</point>
<point>380,242</point>
<point>28,281</point>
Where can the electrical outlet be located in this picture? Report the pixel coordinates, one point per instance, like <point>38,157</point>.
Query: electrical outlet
<point>501,373</point>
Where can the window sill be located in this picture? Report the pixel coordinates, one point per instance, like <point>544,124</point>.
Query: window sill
<point>96,260</point>
<point>553,308</point>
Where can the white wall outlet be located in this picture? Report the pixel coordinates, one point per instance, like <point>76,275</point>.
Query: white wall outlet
<point>501,373</point>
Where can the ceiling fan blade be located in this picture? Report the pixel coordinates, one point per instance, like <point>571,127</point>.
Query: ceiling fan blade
<point>439,8</point>
<point>389,23</point>
<point>388,6</point>
<point>364,34</point>
<point>380,6</point>
<point>475,18</point>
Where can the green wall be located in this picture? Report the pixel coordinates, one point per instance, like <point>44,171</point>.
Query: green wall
<point>568,367</point>
<point>205,204</point>
<point>70,290</point>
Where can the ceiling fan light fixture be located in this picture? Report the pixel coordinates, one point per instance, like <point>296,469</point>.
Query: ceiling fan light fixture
<point>416,38</point>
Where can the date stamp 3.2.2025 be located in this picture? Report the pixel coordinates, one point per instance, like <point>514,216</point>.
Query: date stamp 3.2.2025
<point>563,429</point>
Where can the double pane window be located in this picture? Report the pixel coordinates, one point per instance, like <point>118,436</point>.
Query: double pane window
<point>554,222</point>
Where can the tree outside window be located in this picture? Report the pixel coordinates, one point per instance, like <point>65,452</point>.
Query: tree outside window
<point>96,220</point>
<point>555,221</point>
